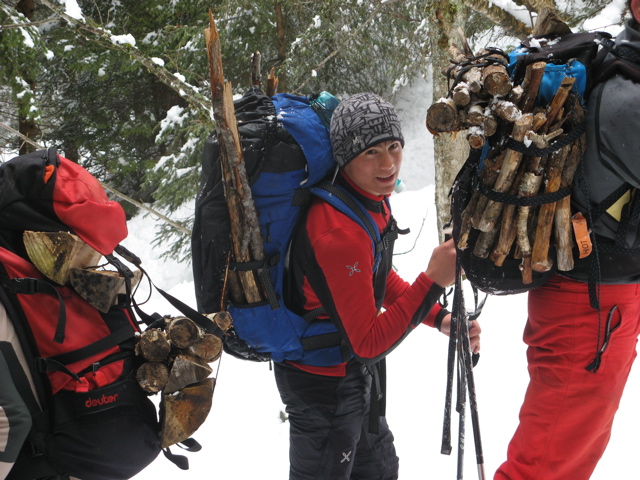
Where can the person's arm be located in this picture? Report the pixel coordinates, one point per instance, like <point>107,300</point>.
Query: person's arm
<point>344,255</point>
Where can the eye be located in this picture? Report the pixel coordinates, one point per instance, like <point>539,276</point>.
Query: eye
<point>394,146</point>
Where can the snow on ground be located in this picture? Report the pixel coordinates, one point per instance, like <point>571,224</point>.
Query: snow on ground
<point>244,437</point>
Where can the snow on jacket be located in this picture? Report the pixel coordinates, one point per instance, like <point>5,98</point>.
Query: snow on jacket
<point>612,157</point>
<point>332,265</point>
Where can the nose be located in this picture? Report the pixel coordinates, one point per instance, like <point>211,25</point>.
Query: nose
<point>386,160</point>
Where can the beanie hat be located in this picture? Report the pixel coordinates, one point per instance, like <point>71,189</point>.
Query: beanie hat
<point>361,122</point>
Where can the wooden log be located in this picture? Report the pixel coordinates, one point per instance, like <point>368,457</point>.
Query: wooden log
<point>272,83</point>
<point>208,347</point>
<point>531,85</point>
<point>182,332</point>
<point>100,288</point>
<point>508,111</point>
<point>563,228</point>
<point>506,237</point>
<point>475,115</point>
<point>442,116</point>
<point>461,95</point>
<point>222,319</point>
<point>153,345</point>
<point>507,228</point>
<point>507,174</point>
<point>540,261</point>
<point>245,230</point>
<point>54,254</point>
<point>472,77</point>
<point>484,243</point>
<point>488,177</point>
<point>255,78</point>
<point>186,370</point>
<point>490,125</point>
<point>152,376</point>
<point>516,94</point>
<point>183,413</point>
<point>548,23</point>
<point>495,78</point>
<point>476,137</point>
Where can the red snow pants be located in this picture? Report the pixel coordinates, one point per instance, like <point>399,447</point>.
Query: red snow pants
<point>567,413</point>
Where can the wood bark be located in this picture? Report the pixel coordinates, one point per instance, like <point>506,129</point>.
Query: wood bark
<point>183,413</point>
<point>255,78</point>
<point>495,78</point>
<point>507,174</point>
<point>152,377</point>
<point>245,230</point>
<point>54,254</point>
<point>186,370</point>
<point>182,332</point>
<point>562,226</point>
<point>442,116</point>
<point>153,345</point>
<point>540,261</point>
<point>100,287</point>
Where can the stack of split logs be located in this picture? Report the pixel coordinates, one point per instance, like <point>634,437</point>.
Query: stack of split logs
<point>484,102</point>
<point>176,362</point>
<point>247,242</point>
<point>174,359</point>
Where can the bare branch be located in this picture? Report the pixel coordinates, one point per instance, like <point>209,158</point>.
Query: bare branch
<point>511,25</point>
<point>107,187</point>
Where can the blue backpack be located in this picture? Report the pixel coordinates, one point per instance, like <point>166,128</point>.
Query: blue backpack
<point>288,157</point>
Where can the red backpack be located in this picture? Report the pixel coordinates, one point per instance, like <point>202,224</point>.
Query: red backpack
<point>91,420</point>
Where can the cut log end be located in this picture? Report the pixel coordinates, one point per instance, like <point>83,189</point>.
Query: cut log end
<point>183,413</point>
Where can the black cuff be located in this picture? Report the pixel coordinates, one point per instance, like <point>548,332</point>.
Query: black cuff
<point>439,317</point>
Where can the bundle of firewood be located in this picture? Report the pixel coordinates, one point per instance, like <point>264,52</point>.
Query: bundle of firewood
<point>483,102</point>
<point>176,362</point>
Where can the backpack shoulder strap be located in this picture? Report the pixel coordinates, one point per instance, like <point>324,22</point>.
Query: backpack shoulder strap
<point>346,203</point>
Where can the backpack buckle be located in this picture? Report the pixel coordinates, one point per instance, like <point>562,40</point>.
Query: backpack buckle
<point>27,286</point>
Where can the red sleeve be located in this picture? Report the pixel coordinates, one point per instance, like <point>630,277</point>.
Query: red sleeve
<point>344,252</point>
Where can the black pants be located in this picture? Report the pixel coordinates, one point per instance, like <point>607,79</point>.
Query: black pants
<point>329,438</point>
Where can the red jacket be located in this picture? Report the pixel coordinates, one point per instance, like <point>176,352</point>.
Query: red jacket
<point>332,262</point>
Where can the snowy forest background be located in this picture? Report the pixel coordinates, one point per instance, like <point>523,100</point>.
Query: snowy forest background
<point>121,86</point>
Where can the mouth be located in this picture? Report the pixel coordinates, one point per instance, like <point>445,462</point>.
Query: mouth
<point>387,179</point>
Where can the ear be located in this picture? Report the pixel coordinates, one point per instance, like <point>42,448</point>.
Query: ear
<point>634,6</point>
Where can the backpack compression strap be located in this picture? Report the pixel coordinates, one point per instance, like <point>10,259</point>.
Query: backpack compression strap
<point>346,203</point>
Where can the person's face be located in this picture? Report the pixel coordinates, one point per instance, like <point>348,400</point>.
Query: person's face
<point>376,169</point>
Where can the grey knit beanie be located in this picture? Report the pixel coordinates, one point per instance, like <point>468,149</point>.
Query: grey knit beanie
<point>360,122</point>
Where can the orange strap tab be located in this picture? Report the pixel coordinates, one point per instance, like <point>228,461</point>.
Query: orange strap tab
<point>48,171</point>
<point>581,232</point>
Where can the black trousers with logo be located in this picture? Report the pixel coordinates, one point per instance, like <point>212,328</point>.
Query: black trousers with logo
<point>329,422</point>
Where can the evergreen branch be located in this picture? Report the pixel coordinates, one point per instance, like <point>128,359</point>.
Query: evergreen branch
<point>162,217</point>
<point>194,98</point>
<point>511,25</point>
<point>345,42</point>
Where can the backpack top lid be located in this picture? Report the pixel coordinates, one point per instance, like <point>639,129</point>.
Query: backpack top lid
<point>307,128</point>
<point>43,191</point>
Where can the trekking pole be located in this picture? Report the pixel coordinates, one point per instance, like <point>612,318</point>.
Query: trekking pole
<point>462,410</point>
<point>473,404</point>
<point>445,448</point>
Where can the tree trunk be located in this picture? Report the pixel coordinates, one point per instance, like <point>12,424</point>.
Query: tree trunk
<point>450,150</point>
<point>282,46</point>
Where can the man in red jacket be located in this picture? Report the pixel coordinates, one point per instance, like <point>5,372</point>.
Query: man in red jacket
<point>332,264</point>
